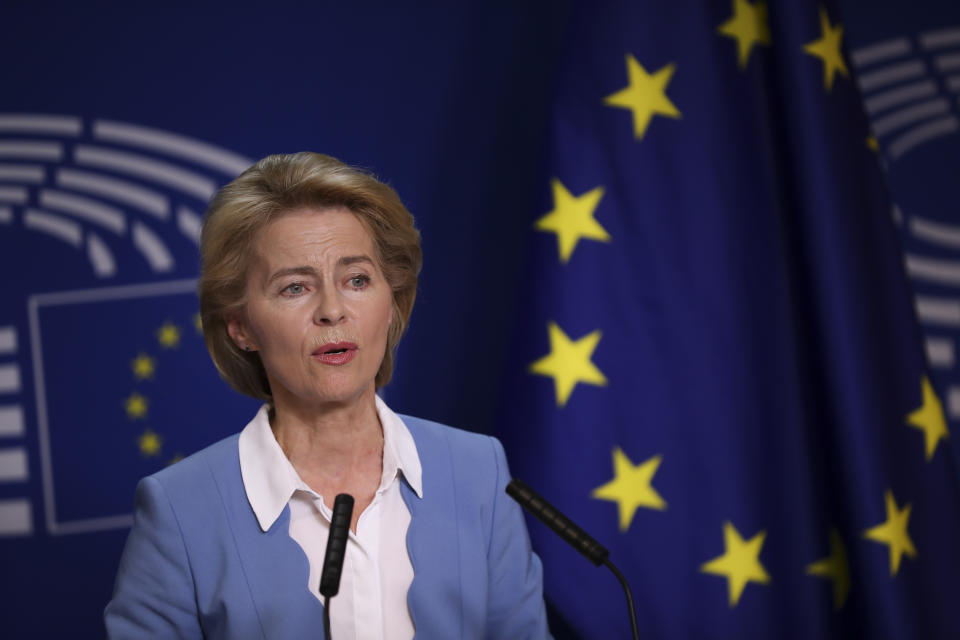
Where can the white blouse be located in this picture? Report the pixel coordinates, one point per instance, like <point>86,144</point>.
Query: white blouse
<point>372,602</point>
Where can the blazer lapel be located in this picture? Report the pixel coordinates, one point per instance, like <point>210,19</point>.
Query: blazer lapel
<point>275,568</point>
<point>433,541</point>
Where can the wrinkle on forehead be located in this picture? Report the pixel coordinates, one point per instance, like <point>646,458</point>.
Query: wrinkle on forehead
<point>307,244</point>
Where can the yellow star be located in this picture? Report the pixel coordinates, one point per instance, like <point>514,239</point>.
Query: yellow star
<point>893,532</point>
<point>740,562</point>
<point>872,144</point>
<point>645,95</point>
<point>834,567</point>
<point>748,26</point>
<point>569,362</point>
<point>630,487</point>
<point>136,406</point>
<point>143,367</point>
<point>929,419</point>
<point>198,322</point>
<point>150,443</point>
<point>572,218</point>
<point>827,48</point>
<point>168,335</point>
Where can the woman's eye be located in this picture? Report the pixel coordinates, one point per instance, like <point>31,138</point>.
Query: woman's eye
<point>294,289</point>
<point>359,282</point>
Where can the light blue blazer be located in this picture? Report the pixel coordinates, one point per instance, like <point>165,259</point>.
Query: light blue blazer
<point>197,564</point>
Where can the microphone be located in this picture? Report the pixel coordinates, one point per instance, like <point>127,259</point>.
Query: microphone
<point>561,524</point>
<point>574,535</point>
<point>333,558</point>
<point>336,545</point>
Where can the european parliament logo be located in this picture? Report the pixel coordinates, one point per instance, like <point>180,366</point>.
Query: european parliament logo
<point>911,90</point>
<point>104,377</point>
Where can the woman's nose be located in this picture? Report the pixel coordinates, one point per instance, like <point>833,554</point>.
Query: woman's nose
<point>330,308</point>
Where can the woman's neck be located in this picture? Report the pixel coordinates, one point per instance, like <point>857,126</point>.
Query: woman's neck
<point>335,447</point>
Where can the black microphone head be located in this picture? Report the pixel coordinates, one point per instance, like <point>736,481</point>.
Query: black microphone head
<point>336,545</point>
<point>561,525</point>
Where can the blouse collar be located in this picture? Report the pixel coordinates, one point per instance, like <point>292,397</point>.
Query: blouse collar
<point>269,478</point>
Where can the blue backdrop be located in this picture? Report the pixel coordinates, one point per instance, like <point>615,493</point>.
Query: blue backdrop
<point>117,123</point>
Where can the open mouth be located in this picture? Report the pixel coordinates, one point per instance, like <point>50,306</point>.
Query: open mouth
<point>336,352</point>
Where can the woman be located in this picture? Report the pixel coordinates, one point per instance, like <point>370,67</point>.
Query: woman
<point>308,280</point>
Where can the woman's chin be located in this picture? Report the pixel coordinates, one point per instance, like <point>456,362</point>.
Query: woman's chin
<point>332,396</point>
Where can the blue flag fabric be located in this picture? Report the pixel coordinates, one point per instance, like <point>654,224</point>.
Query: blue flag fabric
<point>717,370</point>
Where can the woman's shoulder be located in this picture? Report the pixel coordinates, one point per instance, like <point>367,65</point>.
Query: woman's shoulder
<point>435,434</point>
<point>200,469</point>
<point>461,458</point>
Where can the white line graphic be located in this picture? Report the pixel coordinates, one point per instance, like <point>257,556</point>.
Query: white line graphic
<point>43,431</point>
<point>202,153</point>
<point>949,62</point>
<point>880,52</point>
<point>90,210</point>
<point>889,75</point>
<point>58,227</point>
<point>939,311</point>
<point>9,378</point>
<point>152,248</point>
<point>13,464</point>
<point>35,123</point>
<point>946,235</point>
<point>168,174</point>
<point>33,173</point>
<point>940,38</point>
<point>11,421</point>
<point>31,149</point>
<point>16,518</point>
<point>124,292</point>
<point>894,97</point>
<point>933,270</point>
<point>144,199</point>
<point>13,194</point>
<point>940,352</point>
<point>953,402</point>
<point>8,340</point>
<point>189,224</point>
<point>918,135</point>
<point>6,215</point>
<point>93,524</point>
<point>899,119</point>
<point>104,266</point>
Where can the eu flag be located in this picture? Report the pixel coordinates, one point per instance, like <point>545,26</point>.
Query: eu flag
<point>717,370</point>
<point>125,388</point>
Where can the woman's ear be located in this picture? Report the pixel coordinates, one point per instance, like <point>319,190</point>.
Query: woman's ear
<point>237,330</point>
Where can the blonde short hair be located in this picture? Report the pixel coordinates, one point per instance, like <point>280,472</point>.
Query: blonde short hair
<point>275,186</point>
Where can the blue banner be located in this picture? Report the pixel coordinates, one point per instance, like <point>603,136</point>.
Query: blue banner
<point>717,369</point>
<point>719,252</point>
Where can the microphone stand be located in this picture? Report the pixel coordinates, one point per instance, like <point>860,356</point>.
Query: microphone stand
<point>626,590</point>
<point>326,618</point>
<point>574,535</point>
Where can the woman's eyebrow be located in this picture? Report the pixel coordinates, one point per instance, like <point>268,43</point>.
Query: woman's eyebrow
<point>307,270</point>
<point>304,270</point>
<point>348,260</point>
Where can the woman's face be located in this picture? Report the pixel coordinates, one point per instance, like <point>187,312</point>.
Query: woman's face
<point>318,308</point>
